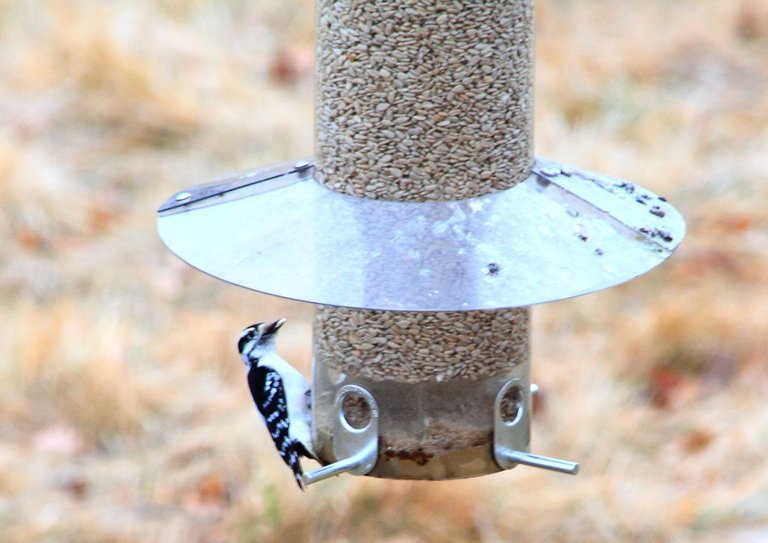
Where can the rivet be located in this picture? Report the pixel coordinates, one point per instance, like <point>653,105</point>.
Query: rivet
<point>180,197</point>
<point>302,166</point>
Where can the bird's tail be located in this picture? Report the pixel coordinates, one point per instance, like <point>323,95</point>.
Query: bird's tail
<point>292,459</point>
<point>299,481</point>
<point>304,451</point>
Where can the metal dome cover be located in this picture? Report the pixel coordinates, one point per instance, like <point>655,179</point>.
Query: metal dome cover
<point>562,232</point>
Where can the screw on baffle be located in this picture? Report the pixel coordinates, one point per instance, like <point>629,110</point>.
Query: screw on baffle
<point>180,197</point>
<point>303,167</point>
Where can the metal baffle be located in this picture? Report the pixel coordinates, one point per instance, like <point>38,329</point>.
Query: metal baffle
<point>423,231</point>
<point>563,232</point>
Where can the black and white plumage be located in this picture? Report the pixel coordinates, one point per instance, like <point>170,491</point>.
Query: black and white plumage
<point>280,393</point>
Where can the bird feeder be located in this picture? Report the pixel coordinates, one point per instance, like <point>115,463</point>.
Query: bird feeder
<point>423,230</point>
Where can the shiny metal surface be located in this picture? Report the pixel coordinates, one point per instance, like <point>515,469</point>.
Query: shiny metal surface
<point>562,232</point>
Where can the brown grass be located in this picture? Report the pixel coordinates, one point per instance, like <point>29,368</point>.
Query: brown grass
<point>125,416</point>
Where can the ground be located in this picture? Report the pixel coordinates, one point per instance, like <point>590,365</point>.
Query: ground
<point>125,413</point>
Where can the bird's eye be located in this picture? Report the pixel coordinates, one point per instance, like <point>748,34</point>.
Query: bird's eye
<point>244,339</point>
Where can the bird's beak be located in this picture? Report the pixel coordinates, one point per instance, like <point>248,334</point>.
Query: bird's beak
<point>273,327</point>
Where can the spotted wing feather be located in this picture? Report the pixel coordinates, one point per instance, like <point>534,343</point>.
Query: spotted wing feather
<point>267,390</point>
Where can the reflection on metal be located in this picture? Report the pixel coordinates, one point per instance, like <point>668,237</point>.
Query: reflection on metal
<point>563,232</point>
<point>357,448</point>
<point>511,437</point>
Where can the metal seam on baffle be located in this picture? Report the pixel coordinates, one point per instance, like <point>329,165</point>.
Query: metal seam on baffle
<point>214,189</point>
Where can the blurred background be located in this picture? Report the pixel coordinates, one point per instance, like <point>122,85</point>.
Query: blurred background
<point>124,412</point>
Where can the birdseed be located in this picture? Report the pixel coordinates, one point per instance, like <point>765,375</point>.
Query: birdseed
<point>418,347</point>
<point>423,99</point>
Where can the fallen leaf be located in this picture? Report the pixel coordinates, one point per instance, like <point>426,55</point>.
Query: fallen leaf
<point>664,384</point>
<point>290,65</point>
<point>212,489</point>
<point>697,440</point>
<point>77,487</point>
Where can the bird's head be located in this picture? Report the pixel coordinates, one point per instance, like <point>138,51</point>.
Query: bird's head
<point>257,340</point>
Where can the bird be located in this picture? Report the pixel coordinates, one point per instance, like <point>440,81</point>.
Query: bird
<point>280,392</point>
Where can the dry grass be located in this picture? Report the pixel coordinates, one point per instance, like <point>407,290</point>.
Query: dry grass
<point>125,416</point>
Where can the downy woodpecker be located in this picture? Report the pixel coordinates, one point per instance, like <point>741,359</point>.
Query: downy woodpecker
<point>280,393</point>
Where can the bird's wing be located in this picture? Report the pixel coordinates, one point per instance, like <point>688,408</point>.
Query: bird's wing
<point>269,396</point>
